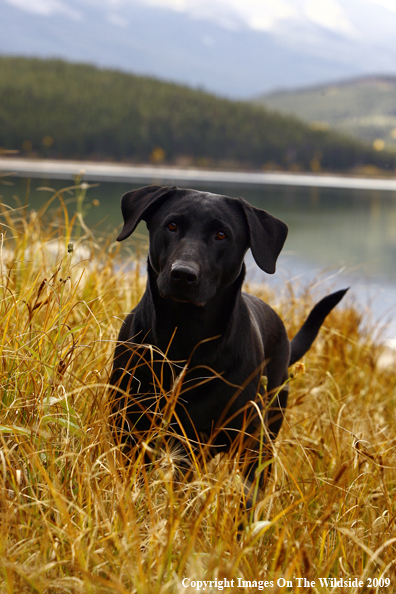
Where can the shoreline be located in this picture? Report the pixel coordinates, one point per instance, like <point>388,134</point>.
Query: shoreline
<point>146,174</point>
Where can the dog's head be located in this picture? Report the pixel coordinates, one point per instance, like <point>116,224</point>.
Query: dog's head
<point>198,240</point>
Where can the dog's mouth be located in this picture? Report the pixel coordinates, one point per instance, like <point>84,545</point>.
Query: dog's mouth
<point>182,298</point>
<point>182,293</point>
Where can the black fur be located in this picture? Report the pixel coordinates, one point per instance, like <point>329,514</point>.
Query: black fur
<point>196,345</point>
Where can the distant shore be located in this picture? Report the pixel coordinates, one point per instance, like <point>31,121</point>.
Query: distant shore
<point>146,174</point>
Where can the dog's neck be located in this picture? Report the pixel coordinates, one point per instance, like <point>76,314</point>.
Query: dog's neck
<point>193,324</point>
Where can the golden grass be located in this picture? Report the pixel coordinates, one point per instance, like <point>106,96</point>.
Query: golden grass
<point>77,516</point>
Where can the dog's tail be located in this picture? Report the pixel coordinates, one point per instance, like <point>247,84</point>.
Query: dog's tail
<point>309,330</point>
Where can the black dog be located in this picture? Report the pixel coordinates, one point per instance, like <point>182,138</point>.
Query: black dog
<point>195,345</point>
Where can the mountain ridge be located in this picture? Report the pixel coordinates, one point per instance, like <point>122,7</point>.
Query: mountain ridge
<point>363,107</point>
<point>339,82</point>
<point>55,109</point>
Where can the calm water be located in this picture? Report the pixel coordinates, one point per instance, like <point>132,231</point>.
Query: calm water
<point>342,237</point>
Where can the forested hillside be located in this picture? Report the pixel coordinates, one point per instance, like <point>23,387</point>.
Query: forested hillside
<point>363,107</point>
<point>50,108</point>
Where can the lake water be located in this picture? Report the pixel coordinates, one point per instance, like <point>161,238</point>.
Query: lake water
<point>337,237</point>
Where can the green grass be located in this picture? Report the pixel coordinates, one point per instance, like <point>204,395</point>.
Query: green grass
<point>77,515</point>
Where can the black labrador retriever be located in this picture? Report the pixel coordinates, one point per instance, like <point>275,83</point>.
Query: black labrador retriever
<point>197,355</point>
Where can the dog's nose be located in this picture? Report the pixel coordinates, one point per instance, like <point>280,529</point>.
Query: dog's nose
<point>184,273</point>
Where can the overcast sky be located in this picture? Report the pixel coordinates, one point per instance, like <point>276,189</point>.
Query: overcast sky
<point>258,14</point>
<point>238,48</point>
<point>264,14</point>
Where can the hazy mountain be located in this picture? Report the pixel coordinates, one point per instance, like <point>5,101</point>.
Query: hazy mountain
<point>218,51</point>
<point>363,107</point>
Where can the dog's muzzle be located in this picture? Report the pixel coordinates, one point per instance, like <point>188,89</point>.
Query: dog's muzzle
<point>183,283</point>
<point>184,275</point>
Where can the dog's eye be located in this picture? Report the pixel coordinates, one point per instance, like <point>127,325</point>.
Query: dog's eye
<point>220,235</point>
<point>172,227</point>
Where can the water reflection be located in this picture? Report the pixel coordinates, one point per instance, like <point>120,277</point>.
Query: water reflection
<point>329,229</point>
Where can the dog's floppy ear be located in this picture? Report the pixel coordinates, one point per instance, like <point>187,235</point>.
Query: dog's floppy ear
<point>267,236</point>
<point>138,204</point>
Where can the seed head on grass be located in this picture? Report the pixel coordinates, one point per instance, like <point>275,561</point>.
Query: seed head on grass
<point>80,513</point>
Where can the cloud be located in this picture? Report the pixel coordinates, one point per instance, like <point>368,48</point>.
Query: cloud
<point>264,15</point>
<point>328,14</point>
<point>118,20</point>
<point>389,4</point>
<point>257,14</point>
<point>45,7</point>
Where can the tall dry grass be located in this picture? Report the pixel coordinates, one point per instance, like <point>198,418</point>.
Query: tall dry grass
<point>78,516</point>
